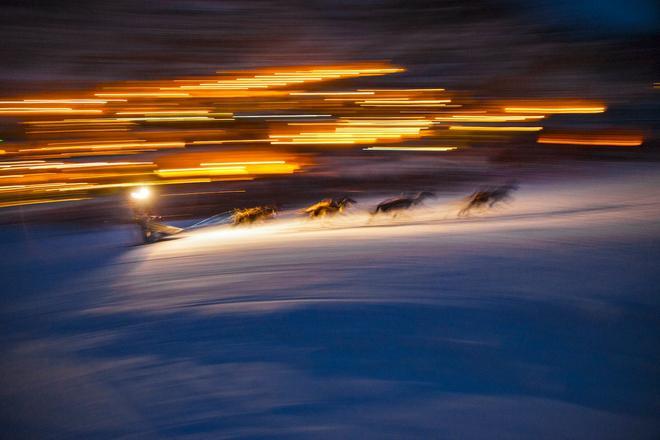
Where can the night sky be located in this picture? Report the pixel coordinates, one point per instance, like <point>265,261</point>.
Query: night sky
<point>507,47</point>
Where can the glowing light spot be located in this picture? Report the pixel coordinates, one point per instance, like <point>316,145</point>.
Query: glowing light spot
<point>141,194</point>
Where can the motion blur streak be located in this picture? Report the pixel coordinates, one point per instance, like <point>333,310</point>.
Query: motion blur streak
<point>244,109</point>
<point>45,111</point>
<point>487,128</point>
<point>488,118</point>
<point>559,110</point>
<point>593,139</point>
<point>412,148</point>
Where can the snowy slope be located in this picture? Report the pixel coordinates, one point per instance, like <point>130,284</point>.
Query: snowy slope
<point>538,319</point>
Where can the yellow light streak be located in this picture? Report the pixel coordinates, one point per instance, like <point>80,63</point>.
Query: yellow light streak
<point>62,166</point>
<point>106,146</point>
<point>144,94</point>
<point>411,148</point>
<point>60,101</point>
<point>556,110</point>
<point>229,141</point>
<point>95,121</point>
<point>77,131</point>
<point>401,90</point>
<point>282,116</point>
<point>329,93</point>
<point>488,128</point>
<point>351,131</point>
<point>208,171</point>
<point>95,141</point>
<point>168,112</point>
<point>45,111</point>
<point>488,118</point>
<point>315,142</point>
<point>635,142</point>
<point>221,164</point>
<point>173,119</point>
<point>403,102</point>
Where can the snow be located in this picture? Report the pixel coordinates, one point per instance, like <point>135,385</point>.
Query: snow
<point>537,319</point>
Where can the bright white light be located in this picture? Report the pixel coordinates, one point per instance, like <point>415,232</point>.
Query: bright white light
<point>141,193</point>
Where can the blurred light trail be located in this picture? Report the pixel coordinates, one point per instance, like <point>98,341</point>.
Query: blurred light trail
<point>95,141</point>
<point>46,111</point>
<point>105,146</point>
<point>404,102</point>
<point>493,128</point>
<point>230,169</point>
<point>264,162</point>
<point>168,112</point>
<point>82,130</point>
<point>173,119</point>
<point>213,127</point>
<point>400,90</point>
<point>488,118</point>
<point>555,110</point>
<point>348,131</point>
<point>94,121</point>
<point>270,78</point>
<point>593,139</point>
<point>143,94</point>
<point>328,93</point>
<point>62,166</point>
<point>61,101</point>
<point>228,141</point>
<point>282,116</point>
<point>411,148</point>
